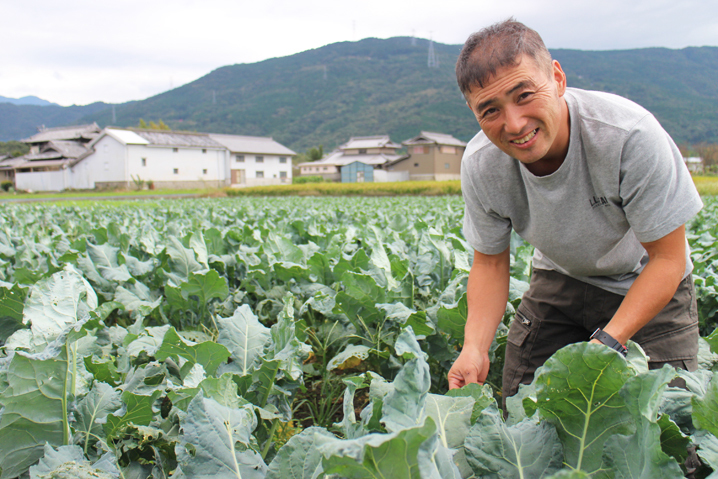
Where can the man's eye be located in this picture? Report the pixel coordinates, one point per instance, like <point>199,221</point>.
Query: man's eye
<point>488,112</point>
<point>525,95</point>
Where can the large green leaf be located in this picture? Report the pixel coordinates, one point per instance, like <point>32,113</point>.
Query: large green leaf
<point>11,305</point>
<point>216,441</point>
<point>300,458</point>
<point>393,455</point>
<point>209,354</point>
<point>69,462</point>
<point>245,338</point>
<point>404,404</point>
<point>182,262</point>
<point>483,396</point>
<point>56,303</point>
<point>137,411</point>
<point>705,409</point>
<point>578,392</point>
<point>452,416</point>
<point>205,286</point>
<point>35,408</point>
<point>527,449</point>
<point>285,346</point>
<point>91,412</point>
<point>452,320</point>
<point>641,455</point>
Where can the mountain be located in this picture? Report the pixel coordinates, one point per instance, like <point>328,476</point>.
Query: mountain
<point>26,100</point>
<point>21,121</point>
<point>324,96</point>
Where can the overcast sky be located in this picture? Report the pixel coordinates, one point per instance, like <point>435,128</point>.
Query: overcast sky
<point>82,51</point>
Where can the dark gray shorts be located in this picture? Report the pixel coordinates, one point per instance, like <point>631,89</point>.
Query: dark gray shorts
<point>558,310</point>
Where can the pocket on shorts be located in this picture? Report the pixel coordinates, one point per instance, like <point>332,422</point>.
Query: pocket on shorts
<point>520,329</point>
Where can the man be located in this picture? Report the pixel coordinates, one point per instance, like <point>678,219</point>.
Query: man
<point>597,186</point>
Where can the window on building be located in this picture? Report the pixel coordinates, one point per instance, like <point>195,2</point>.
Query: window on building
<point>239,158</point>
<point>204,150</point>
<point>259,159</point>
<point>144,161</point>
<point>325,168</point>
<point>416,165</point>
<point>282,174</point>
<point>107,166</point>
<point>451,150</point>
<point>175,171</point>
<point>420,150</point>
<point>274,175</point>
<point>260,174</point>
<point>447,166</point>
<point>204,171</point>
<point>362,151</point>
<point>175,150</point>
<point>282,159</point>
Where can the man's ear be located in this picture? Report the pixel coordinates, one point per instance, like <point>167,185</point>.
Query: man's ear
<point>560,77</point>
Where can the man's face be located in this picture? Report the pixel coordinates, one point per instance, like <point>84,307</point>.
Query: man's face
<point>522,111</point>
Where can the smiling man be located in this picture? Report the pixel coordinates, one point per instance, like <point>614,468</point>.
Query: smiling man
<point>597,186</point>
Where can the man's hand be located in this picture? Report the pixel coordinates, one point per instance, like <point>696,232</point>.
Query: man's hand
<point>470,367</point>
<point>487,291</point>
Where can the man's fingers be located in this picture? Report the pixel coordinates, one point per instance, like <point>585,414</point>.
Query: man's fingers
<point>459,379</point>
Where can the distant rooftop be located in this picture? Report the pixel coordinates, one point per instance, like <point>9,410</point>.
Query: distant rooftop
<point>251,144</point>
<point>175,139</point>
<point>338,158</point>
<point>366,142</point>
<point>76,132</point>
<point>430,137</point>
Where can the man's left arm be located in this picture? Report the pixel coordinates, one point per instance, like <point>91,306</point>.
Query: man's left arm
<point>653,288</point>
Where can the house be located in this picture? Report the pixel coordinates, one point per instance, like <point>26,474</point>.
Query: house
<point>53,153</point>
<point>170,159</point>
<point>362,158</point>
<point>694,164</point>
<point>256,161</point>
<point>88,157</point>
<point>432,156</point>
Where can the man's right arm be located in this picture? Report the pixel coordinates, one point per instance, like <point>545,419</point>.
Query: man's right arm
<point>487,293</point>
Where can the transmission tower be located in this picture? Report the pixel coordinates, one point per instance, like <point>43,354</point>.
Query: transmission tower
<point>433,61</point>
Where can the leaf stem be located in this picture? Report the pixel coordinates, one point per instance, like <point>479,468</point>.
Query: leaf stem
<point>268,444</point>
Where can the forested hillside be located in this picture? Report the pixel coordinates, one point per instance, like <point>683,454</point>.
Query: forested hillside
<point>373,86</point>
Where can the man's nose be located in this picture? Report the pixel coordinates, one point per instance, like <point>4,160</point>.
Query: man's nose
<point>514,120</point>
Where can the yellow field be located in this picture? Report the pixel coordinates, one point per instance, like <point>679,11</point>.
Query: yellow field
<point>424,188</point>
<point>707,185</point>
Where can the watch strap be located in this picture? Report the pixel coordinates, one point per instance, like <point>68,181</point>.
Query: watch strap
<point>609,341</point>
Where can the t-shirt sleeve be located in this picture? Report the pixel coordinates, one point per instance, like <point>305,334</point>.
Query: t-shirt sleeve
<point>485,230</point>
<point>656,188</point>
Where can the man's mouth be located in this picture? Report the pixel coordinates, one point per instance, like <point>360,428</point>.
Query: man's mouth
<point>526,138</point>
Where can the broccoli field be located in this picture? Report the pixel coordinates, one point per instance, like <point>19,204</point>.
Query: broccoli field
<point>307,338</point>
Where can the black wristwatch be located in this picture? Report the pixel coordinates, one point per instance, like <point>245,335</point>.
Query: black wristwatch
<point>609,341</point>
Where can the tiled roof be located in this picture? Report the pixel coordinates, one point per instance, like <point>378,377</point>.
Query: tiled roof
<point>365,142</point>
<point>251,144</point>
<point>431,137</point>
<point>178,139</point>
<point>68,149</point>
<point>77,132</point>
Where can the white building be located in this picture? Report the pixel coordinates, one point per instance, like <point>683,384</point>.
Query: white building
<point>255,161</point>
<point>169,159</point>
<point>86,158</point>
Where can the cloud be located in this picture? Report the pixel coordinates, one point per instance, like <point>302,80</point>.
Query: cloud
<point>118,51</point>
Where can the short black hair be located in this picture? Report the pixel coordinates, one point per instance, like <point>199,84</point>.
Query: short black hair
<point>499,45</point>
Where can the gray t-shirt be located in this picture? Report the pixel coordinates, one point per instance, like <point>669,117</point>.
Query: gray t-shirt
<point>623,182</point>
